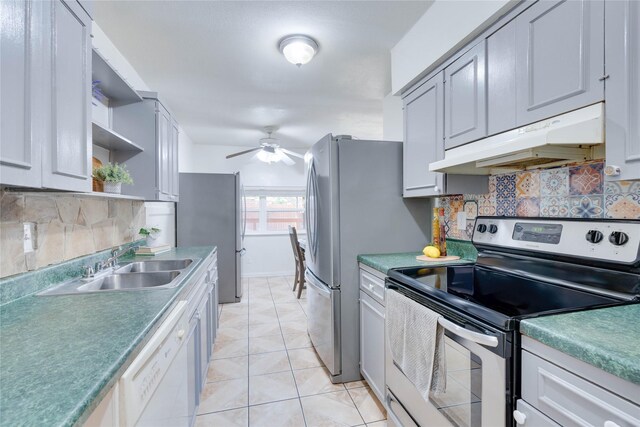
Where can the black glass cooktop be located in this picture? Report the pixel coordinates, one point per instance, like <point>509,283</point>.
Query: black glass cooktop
<point>497,297</point>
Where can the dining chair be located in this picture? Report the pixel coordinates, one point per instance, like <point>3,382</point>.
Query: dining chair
<point>298,256</point>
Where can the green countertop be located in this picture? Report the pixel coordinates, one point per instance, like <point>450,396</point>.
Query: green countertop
<point>607,338</point>
<point>385,262</point>
<point>59,353</point>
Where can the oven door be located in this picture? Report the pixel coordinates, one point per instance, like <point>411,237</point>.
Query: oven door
<point>476,380</point>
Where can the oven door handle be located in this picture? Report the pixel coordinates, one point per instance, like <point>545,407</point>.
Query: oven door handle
<point>482,339</point>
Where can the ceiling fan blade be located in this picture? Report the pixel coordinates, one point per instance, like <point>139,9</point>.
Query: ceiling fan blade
<point>286,159</point>
<point>240,153</point>
<point>292,153</point>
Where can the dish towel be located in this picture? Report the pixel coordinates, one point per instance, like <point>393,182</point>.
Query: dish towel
<point>416,342</point>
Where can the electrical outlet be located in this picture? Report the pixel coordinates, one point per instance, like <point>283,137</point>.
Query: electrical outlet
<point>29,229</point>
<point>461,220</point>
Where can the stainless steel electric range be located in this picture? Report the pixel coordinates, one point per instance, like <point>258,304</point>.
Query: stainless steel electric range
<point>526,267</point>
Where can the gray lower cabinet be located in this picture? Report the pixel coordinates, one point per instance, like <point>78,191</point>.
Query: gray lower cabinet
<point>569,392</point>
<point>527,415</point>
<point>465,117</point>
<point>622,58</point>
<point>372,330</point>
<point>560,58</point>
<point>155,170</point>
<point>46,82</point>
<point>423,138</point>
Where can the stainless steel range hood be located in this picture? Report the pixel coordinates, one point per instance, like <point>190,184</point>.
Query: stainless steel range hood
<point>569,137</point>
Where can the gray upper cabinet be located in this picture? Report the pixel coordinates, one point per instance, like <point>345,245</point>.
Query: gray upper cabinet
<point>622,60</point>
<point>465,117</point>
<point>155,170</point>
<point>423,139</point>
<point>175,173</point>
<point>501,80</point>
<point>45,75</point>
<point>164,158</point>
<point>67,159</point>
<point>21,48</point>
<point>424,144</point>
<point>560,54</point>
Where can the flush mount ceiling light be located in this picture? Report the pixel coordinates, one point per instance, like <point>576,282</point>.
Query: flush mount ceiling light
<point>298,49</point>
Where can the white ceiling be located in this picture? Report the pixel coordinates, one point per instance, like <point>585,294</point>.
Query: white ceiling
<point>217,66</point>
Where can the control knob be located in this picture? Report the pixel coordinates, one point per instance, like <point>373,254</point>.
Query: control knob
<point>594,236</point>
<point>493,229</point>
<point>618,238</point>
<point>481,228</point>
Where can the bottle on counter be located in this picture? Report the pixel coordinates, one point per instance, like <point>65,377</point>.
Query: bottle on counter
<point>435,228</point>
<point>442,234</point>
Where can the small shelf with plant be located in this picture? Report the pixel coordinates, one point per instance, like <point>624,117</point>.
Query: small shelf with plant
<point>112,175</point>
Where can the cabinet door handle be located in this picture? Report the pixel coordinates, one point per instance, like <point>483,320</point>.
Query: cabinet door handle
<point>520,417</point>
<point>180,334</point>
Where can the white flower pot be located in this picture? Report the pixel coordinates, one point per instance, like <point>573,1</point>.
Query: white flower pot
<point>112,187</point>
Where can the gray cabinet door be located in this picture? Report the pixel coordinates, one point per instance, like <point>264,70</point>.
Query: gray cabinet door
<point>622,60</point>
<point>372,344</point>
<point>501,79</point>
<point>423,139</point>
<point>21,52</point>
<point>67,154</point>
<point>175,175</point>
<point>465,116</point>
<point>560,54</point>
<point>164,153</point>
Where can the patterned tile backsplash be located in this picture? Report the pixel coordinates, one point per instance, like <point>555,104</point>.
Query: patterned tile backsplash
<point>576,191</point>
<point>66,227</point>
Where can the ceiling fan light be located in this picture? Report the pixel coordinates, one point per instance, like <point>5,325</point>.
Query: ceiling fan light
<point>298,50</point>
<point>268,157</point>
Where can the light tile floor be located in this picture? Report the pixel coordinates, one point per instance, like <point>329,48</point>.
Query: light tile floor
<point>265,372</point>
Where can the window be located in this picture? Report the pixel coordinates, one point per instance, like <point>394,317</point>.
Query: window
<point>273,211</point>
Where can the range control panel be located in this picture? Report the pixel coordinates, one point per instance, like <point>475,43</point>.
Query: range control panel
<point>611,241</point>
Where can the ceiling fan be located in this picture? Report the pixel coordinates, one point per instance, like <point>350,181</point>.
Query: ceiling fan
<point>270,151</point>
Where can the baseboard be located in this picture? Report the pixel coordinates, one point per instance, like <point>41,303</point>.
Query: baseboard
<point>270,274</point>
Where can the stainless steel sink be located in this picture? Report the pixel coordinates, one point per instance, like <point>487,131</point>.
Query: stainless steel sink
<point>138,275</point>
<point>153,265</point>
<point>130,281</point>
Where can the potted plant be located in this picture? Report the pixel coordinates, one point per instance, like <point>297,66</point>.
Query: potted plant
<point>149,233</point>
<point>113,176</point>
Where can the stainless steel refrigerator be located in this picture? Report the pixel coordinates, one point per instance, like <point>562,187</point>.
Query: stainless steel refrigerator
<point>354,206</point>
<point>210,213</point>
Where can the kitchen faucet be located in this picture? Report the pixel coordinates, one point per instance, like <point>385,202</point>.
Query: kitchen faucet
<point>116,253</point>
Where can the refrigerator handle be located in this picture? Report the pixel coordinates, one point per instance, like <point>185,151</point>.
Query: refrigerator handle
<point>244,212</point>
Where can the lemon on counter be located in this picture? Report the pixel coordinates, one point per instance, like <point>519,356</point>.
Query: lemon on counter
<point>431,252</point>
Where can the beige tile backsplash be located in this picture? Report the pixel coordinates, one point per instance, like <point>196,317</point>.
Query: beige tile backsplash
<point>67,226</point>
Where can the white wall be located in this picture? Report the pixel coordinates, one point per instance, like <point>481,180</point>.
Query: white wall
<point>392,118</point>
<point>444,28</point>
<point>266,255</point>
<point>202,158</point>
<point>161,215</point>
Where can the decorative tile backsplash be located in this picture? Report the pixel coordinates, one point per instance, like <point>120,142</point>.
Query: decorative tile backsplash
<point>575,191</point>
<point>66,227</point>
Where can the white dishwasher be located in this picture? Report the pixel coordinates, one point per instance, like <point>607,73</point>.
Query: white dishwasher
<point>154,387</point>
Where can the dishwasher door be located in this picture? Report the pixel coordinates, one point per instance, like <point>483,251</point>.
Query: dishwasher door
<point>154,387</point>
